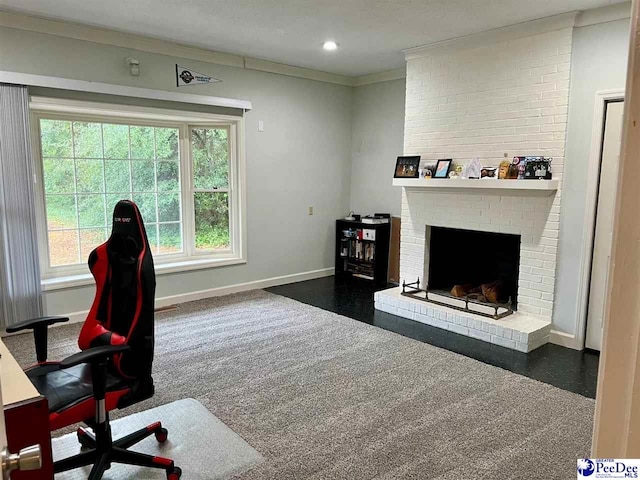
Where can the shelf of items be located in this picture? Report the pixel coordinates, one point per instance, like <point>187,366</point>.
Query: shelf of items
<point>362,257</point>
<point>544,186</point>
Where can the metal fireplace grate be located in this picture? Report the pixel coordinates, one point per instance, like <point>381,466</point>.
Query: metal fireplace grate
<point>500,310</point>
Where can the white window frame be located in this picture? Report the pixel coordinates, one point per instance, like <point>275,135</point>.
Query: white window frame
<point>190,259</point>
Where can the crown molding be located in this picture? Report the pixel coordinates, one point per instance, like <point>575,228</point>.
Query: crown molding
<point>142,43</point>
<point>387,76</point>
<point>114,38</point>
<point>511,32</point>
<point>300,72</point>
<point>610,13</point>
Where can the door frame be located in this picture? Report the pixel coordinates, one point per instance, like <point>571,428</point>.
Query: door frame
<point>602,97</point>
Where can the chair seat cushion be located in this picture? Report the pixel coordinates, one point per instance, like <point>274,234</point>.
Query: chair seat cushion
<point>67,387</point>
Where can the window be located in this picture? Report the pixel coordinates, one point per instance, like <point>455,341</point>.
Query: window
<point>182,170</point>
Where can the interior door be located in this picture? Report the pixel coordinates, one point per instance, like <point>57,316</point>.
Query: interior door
<point>27,459</point>
<point>3,427</point>
<point>604,223</point>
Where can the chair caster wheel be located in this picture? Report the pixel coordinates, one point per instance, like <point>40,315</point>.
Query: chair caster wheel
<point>85,443</point>
<point>162,435</point>
<point>174,474</point>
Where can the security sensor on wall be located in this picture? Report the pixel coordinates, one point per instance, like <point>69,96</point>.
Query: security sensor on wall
<point>134,66</point>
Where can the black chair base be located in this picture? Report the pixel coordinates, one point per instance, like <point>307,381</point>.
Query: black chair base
<point>103,452</point>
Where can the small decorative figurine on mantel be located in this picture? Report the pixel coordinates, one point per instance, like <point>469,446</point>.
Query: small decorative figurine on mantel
<point>456,171</point>
<point>472,169</point>
<point>503,171</point>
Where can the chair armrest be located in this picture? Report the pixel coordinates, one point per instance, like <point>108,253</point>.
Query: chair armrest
<point>33,323</point>
<point>40,334</point>
<point>94,355</point>
<point>98,358</point>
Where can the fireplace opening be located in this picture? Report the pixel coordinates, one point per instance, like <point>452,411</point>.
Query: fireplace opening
<point>479,265</point>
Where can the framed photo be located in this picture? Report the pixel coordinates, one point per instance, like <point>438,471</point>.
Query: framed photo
<point>407,167</point>
<point>442,168</point>
<point>537,168</point>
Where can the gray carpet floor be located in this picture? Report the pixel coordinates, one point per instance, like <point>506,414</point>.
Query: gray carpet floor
<point>322,396</point>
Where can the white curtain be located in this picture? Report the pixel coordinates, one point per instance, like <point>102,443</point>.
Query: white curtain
<point>20,291</point>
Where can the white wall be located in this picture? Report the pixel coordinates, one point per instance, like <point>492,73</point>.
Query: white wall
<point>377,139</point>
<point>301,159</point>
<point>599,63</point>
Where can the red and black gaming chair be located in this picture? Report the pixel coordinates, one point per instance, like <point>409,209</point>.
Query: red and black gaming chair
<point>113,370</point>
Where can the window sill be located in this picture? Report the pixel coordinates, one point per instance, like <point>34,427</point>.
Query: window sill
<point>71,281</point>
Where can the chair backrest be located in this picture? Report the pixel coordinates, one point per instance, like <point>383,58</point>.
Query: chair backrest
<point>123,307</point>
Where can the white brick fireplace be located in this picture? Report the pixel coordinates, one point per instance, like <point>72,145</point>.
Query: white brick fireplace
<point>503,92</point>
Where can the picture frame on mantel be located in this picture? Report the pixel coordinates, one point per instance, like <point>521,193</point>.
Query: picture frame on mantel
<point>442,168</point>
<point>407,167</point>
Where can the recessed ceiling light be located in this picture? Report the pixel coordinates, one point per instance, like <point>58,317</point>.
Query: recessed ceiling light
<point>330,46</point>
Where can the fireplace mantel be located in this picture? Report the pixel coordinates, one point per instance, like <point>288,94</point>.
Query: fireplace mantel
<point>545,186</point>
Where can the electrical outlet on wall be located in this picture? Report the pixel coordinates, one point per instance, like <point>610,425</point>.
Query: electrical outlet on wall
<point>310,210</point>
<point>260,126</point>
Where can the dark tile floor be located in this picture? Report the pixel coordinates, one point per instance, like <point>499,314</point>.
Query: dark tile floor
<point>562,367</point>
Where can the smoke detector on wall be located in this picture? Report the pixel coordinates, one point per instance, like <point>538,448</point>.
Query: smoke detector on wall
<point>134,66</point>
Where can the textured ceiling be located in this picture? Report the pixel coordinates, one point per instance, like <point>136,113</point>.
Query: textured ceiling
<point>371,33</point>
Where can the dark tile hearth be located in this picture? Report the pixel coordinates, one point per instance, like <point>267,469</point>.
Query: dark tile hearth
<point>561,367</point>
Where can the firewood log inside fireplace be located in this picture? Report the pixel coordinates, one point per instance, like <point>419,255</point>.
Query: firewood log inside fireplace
<point>463,290</point>
<point>493,291</point>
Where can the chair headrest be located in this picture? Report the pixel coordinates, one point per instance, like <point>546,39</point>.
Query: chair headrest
<point>128,235</point>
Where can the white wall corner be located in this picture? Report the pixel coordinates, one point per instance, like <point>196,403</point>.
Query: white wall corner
<point>489,37</point>
<point>609,13</point>
<point>387,76</point>
<point>565,340</point>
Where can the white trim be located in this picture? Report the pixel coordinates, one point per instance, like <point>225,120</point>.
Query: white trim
<point>73,281</point>
<point>593,175</point>
<point>300,72</point>
<point>397,74</point>
<point>564,339</point>
<point>81,107</point>
<point>609,13</point>
<point>76,317</point>
<point>76,275</point>
<point>511,32</point>
<point>243,287</point>
<point>121,90</point>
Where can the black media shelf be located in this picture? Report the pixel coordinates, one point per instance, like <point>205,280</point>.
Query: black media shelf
<point>360,256</point>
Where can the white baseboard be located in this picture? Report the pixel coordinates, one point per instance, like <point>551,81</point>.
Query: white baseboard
<point>78,317</point>
<point>564,339</point>
<point>243,287</point>
<point>556,337</point>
